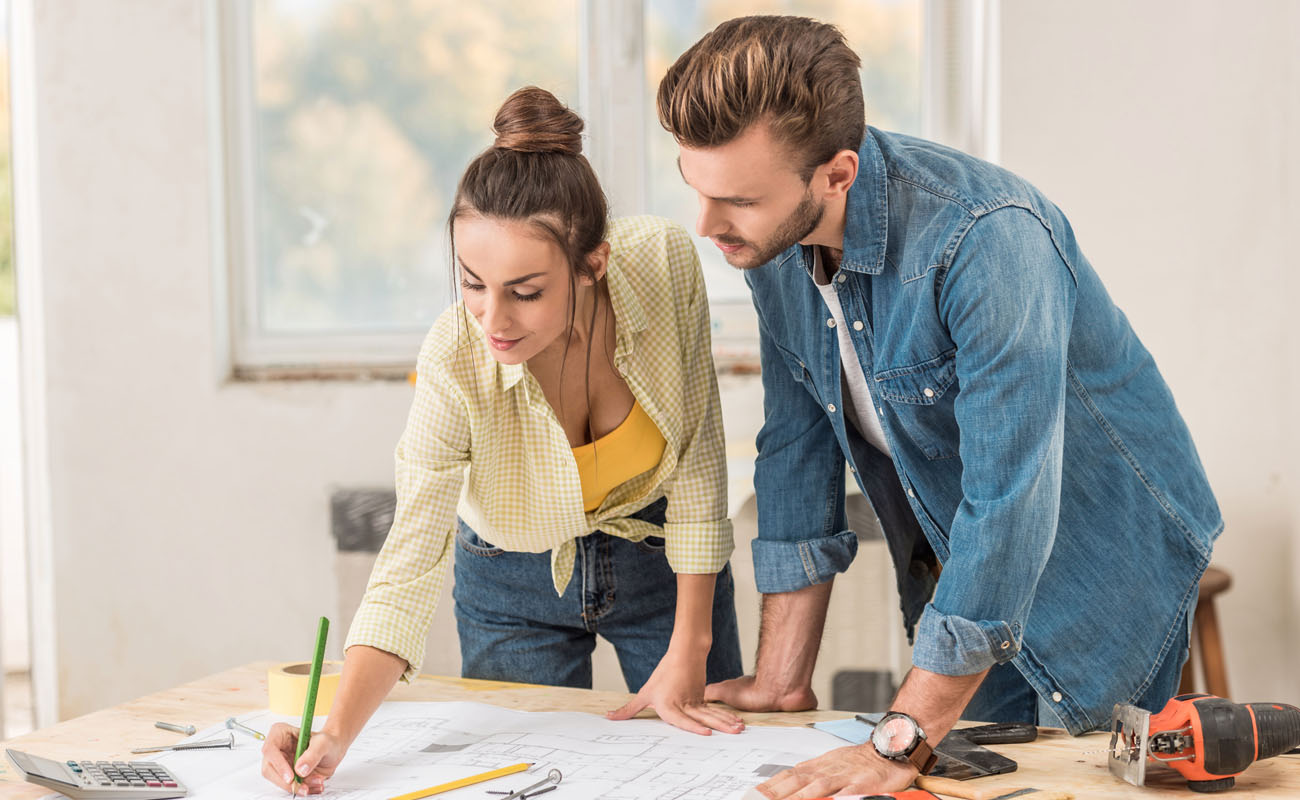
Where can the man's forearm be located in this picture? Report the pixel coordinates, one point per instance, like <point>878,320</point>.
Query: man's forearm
<point>790,634</point>
<point>935,701</point>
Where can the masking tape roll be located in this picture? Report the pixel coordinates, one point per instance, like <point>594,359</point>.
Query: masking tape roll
<point>286,685</point>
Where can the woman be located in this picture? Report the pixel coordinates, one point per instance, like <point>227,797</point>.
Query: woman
<point>567,409</point>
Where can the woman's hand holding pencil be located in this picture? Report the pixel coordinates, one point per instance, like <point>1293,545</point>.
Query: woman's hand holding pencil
<point>317,764</point>
<point>307,773</point>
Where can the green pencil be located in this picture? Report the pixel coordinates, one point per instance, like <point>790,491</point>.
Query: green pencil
<point>309,707</point>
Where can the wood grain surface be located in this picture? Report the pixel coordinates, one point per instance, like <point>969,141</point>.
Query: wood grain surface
<point>1055,762</point>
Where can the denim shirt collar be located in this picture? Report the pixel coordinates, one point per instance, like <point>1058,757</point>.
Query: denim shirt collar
<point>868,203</point>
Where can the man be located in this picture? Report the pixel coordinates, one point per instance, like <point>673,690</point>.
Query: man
<point>930,318</point>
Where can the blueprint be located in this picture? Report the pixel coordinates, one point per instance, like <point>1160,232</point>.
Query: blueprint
<point>408,746</point>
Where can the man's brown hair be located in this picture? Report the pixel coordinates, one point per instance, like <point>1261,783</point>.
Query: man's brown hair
<point>795,73</point>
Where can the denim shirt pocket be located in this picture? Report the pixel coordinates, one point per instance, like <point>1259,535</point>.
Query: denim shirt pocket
<point>923,397</point>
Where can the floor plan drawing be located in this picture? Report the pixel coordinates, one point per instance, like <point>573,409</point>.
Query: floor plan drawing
<point>409,745</point>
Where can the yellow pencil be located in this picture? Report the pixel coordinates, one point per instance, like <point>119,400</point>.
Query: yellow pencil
<point>473,779</point>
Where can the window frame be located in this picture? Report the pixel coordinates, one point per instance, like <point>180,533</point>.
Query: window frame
<point>958,107</point>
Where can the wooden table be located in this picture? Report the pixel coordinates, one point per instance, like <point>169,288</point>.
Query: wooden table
<point>1054,761</point>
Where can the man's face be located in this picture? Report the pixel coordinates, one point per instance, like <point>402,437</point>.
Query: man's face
<point>753,204</point>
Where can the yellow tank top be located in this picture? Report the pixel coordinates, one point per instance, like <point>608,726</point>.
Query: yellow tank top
<point>632,448</point>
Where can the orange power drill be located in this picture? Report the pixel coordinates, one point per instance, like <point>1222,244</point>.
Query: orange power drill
<point>1208,739</point>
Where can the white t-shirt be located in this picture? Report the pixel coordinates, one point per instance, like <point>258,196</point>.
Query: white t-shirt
<point>860,408</point>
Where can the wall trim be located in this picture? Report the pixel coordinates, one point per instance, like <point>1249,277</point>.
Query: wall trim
<point>29,279</point>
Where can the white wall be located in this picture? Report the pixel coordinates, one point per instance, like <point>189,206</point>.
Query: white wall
<point>190,517</point>
<point>1167,132</point>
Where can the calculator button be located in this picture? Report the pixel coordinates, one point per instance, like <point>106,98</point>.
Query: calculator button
<point>154,784</point>
<point>120,782</point>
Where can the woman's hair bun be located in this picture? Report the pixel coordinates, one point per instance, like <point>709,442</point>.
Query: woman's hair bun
<point>532,120</point>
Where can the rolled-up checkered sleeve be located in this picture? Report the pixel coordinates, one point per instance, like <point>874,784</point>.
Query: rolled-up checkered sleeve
<point>697,533</point>
<point>431,458</point>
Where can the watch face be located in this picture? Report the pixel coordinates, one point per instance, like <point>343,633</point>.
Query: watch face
<point>894,736</point>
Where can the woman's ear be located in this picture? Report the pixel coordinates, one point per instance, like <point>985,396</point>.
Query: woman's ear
<point>598,261</point>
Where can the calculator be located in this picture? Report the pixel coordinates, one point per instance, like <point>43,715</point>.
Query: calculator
<point>92,780</point>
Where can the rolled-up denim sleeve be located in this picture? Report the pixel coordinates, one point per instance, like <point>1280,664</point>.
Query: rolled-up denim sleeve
<point>1008,301</point>
<point>952,645</point>
<point>799,482</point>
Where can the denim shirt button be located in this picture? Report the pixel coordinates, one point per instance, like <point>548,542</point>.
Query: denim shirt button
<point>840,278</point>
<point>928,392</point>
<point>830,322</point>
<point>830,407</point>
<point>857,325</point>
<point>911,493</point>
<point>1056,697</point>
<point>1005,645</point>
<point>881,410</point>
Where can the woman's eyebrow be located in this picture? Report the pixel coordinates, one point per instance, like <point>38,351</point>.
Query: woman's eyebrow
<point>512,282</point>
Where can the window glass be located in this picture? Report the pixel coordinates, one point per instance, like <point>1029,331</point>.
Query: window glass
<point>366,113</point>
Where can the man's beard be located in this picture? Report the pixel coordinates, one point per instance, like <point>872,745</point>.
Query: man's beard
<point>802,221</point>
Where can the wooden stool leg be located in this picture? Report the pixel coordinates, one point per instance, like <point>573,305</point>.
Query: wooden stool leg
<point>1212,661</point>
<point>1187,683</point>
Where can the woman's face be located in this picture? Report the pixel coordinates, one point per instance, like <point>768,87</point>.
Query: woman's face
<point>515,281</point>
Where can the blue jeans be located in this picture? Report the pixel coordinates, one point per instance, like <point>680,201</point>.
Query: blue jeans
<point>513,627</point>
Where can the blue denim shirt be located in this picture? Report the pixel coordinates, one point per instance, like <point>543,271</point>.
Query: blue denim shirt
<point>1037,451</point>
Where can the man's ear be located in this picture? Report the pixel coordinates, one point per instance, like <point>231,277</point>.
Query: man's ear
<point>839,173</point>
<point>598,261</point>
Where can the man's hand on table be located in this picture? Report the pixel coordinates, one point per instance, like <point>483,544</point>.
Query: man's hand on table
<point>323,755</point>
<point>857,769</point>
<point>748,693</point>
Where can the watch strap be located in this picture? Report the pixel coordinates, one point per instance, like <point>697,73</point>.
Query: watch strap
<point>923,757</point>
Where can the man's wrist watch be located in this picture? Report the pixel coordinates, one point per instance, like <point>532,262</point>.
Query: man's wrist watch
<point>899,738</point>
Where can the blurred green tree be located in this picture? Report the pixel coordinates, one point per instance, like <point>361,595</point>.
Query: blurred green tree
<point>368,112</point>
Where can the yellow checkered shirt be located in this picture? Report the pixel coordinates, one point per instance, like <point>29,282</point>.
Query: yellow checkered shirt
<point>481,441</point>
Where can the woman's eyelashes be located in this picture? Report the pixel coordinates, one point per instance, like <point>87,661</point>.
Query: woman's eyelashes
<point>478,287</point>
